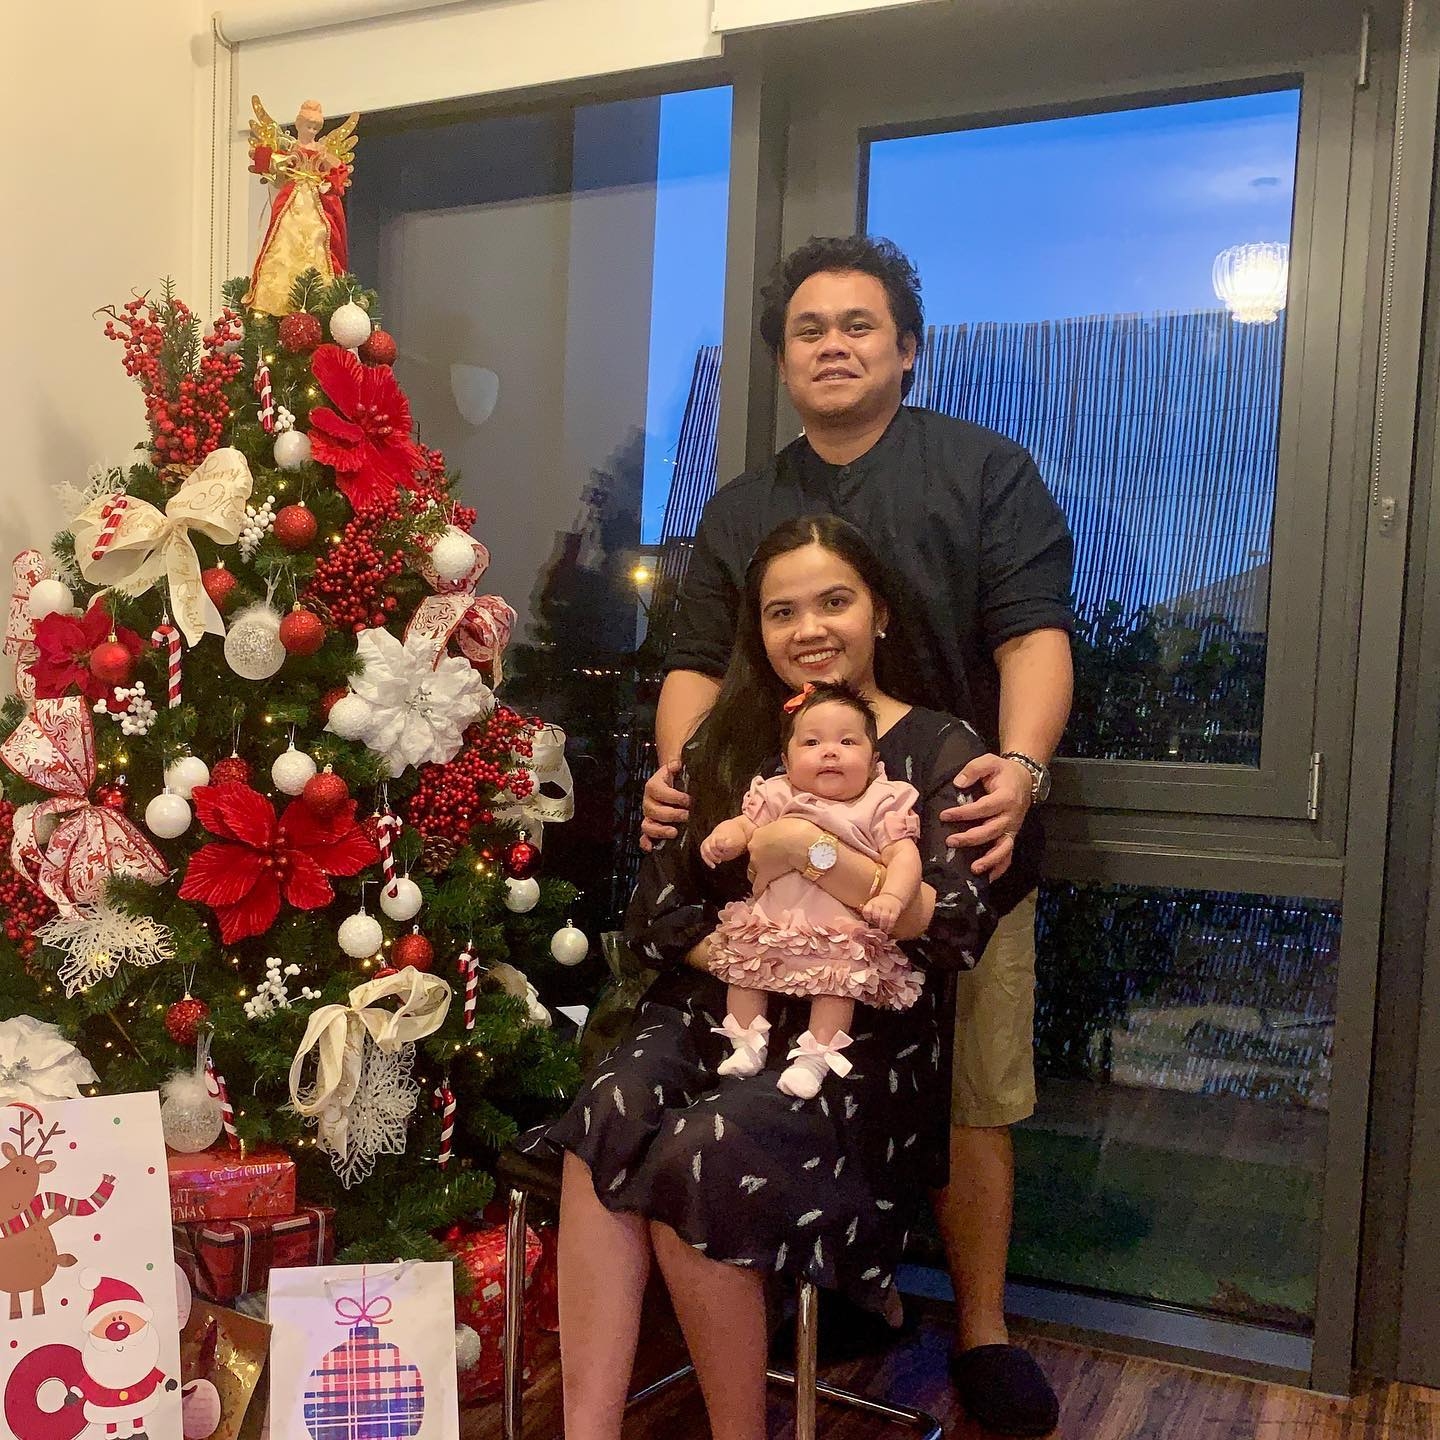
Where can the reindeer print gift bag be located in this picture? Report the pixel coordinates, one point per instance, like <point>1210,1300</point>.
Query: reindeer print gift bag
<point>89,1324</point>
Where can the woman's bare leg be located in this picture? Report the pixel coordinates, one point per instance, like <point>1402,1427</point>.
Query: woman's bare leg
<point>721,1309</point>
<point>604,1263</point>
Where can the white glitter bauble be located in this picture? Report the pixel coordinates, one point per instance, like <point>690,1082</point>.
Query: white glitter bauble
<point>49,597</point>
<point>252,646</point>
<point>292,768</point>
<point>569,946</point>
<point>292,449</point>
<point>350,326</point>
<point>184,774</point>
<point>405,902</point>
<point>167,815</point>
<point>360,935</point>
<point>189,1114</point>
<point>522,895</point>
<point>452,556</point>
<point>467,1348</point>
<point>349,717</point>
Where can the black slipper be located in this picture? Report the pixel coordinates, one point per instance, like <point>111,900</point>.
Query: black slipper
<point>1005,1390</point>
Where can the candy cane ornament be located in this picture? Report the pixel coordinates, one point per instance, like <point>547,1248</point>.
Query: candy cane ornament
<point>168,635</point>
<point>469,967</point>
<point>267,398</point>
<point>387,825</point>
<point>445,1103</point>
<point>215,1082</point>
<point>110,518</point>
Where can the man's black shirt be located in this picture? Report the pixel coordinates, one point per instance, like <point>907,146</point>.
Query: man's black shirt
<point>976,552</point>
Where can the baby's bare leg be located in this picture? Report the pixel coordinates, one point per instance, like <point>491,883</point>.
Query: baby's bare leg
<point>746,1006</point>
<point>829,1014</point>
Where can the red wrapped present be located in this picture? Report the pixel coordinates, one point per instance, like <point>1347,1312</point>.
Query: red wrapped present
<point>544,1289</point>
<point>226,1258</point>
<point>223,1185</point>
<point>482,1253</point>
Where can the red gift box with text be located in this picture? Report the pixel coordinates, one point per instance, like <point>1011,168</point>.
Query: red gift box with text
<point>226,1258</point>
<point>482,1253</point>
<point>230,1185</point>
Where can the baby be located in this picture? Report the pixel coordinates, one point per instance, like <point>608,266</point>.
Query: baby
<point>793,937</point>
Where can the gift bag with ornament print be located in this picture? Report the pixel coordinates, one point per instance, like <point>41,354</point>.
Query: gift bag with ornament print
<point>363,1352</point>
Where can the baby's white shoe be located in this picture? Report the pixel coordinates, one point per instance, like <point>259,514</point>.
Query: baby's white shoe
<point>809,1061</point>
<point>750,1046</point>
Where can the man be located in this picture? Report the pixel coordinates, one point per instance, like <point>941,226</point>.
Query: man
<point>982,559</point>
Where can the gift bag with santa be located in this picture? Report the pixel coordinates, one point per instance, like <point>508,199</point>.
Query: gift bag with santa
<point>89,1343</point>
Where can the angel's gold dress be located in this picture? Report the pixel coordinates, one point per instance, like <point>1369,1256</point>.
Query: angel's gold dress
<point>307,219</point>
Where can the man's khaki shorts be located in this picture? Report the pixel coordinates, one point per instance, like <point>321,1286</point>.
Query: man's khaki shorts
<point>995,1027</point>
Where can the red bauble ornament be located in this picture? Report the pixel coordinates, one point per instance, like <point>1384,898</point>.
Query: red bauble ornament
<point>112,663</point>
<point>184,1019</point>
<point>328,699</point>
<point>114,795</point>
<point>302,632</point>
<point>325,793</point>
<point>295,526</point>
<point>300,333</point>
<point>232,770</point>
<point>379,349</point>
<point>219,585</point>
<point>522,860</point>
<point>412,949</point>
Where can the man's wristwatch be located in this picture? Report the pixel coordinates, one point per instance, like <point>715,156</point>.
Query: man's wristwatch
<point>822,856</point>
<point>1039,775</point>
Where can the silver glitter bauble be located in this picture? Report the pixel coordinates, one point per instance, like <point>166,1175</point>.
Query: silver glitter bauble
<point>252,646</point>
<point>189,1115</point>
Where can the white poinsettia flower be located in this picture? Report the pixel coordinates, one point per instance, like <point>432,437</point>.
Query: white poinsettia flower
<point>38,1065</point>
<point>418,706</point>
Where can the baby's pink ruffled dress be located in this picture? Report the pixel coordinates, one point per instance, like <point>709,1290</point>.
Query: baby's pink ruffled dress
<point>796,939</point>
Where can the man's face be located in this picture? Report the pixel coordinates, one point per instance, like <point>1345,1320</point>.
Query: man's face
<point>842,357</point>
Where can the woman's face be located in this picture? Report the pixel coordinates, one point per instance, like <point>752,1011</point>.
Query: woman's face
<point>818,619</point>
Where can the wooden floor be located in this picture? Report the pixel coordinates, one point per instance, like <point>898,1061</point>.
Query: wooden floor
<point>1103,1396</point>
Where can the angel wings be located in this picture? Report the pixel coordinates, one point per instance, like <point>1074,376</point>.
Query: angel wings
<point>270,141</point>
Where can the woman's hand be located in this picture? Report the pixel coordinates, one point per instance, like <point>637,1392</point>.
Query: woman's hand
<point>665,807</point>
<point>779,847</point>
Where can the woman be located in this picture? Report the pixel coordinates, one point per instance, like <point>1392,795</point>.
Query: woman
<point>724,1180</point>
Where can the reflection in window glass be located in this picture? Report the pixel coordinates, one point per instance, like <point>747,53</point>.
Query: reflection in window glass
<point>1071,286</point>
<point>1183,1047</point>
<point>552,276</point>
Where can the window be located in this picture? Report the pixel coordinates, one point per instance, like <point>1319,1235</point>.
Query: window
<point>1071,268</point>
<point>554,275</point>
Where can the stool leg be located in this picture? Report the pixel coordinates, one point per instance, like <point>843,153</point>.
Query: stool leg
<point>512,1422</point>
<point>807,1336</point>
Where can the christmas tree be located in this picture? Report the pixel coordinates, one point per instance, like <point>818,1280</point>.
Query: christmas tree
<point>267,834</point>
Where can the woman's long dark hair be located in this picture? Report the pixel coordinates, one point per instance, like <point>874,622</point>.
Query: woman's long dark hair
<point>741,734</point>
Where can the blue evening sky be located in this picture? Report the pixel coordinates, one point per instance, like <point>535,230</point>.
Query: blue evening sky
<point>1122,211</point>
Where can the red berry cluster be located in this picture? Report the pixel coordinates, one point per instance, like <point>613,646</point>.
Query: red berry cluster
<point>23,905</point>
<point>182,374</point>
<point>350,580</point>
<point>453,798</point>
<point>432,483</point>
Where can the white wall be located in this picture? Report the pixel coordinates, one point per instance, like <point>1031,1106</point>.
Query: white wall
<point>100,114</point>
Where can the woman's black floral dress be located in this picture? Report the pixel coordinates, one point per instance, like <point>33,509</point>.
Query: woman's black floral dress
<point>824,1188</point>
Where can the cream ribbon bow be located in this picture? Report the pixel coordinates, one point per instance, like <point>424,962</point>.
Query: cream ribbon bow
<point>337,1034</point>
<point>150,544</point>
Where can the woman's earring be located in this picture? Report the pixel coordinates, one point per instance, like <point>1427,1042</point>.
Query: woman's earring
<point>879,634</point>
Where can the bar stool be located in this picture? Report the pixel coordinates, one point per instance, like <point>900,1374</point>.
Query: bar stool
<point>523,1177</point>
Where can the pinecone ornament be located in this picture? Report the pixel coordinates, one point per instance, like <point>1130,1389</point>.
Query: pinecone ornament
<point>438,855</point>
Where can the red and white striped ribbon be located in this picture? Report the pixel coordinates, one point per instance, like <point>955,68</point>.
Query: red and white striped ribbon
<point>110,518</point>
<point>267,397</point>
<point>167,635</point>
<point>469,967</point>
<point>227,1114</point>
<point>445,1102</point>
<point>387,827</point>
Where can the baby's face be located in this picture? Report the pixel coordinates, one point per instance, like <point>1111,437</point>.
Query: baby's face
<point>829,753</point>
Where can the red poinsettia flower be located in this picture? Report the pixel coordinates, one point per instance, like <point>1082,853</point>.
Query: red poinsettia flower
<point>368,442</point>
<point>257,859</point>
<point>65,643</point>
